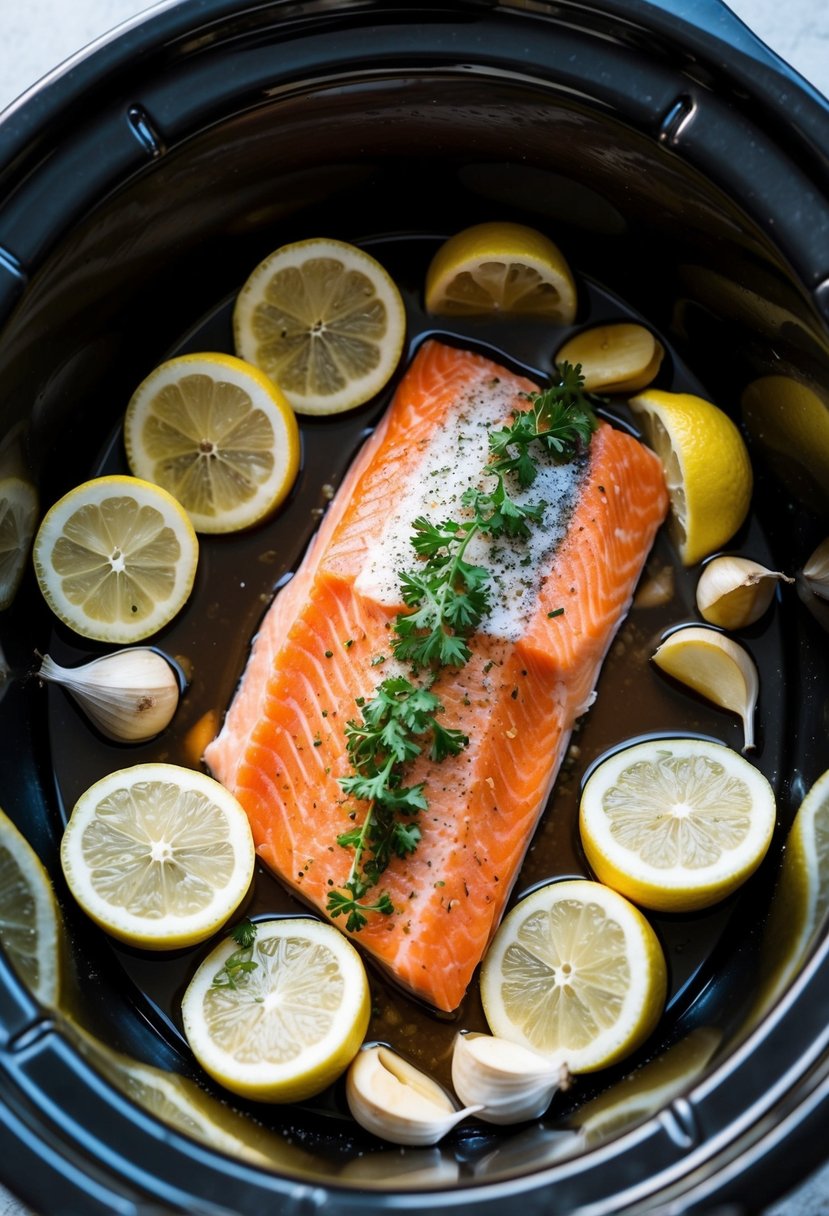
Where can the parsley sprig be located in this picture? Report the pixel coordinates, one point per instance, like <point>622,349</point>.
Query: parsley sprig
<point>447,598</point>
<point>241,961</point>
<point>392,730</point>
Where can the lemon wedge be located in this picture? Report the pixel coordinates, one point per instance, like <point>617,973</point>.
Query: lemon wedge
<point>576,973</point>
<point>676,824</point>
<point>716,667</point>
<point>116,558</point>
<point>158,856</point>
<point>501,267</point>
<point>288,1026</point>
<point>707,468</point>
<point>29,918</point>
<point>621,358</point>
<point>325,321</point>
<point>18,519</point>
<point>218,435</point>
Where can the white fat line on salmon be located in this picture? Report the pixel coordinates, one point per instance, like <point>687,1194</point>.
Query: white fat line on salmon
<point>455,459</point>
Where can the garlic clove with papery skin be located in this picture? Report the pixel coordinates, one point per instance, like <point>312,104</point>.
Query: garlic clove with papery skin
<point>510,1082</point>
<point>734,592</point>
<point>816,571</point>
<point>396,1101</point>
<point>813,584</point>
<point>130,695</point>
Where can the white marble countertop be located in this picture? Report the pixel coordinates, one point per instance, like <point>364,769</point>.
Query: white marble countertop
<point>41,34</point>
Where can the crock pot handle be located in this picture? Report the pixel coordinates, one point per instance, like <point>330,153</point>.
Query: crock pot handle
<point>702,26</point>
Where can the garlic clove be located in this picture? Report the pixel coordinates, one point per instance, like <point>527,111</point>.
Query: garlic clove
<point>130,695</point>
<point>816,571</point>
<point>509,1081</point>
<point>656,589</point>
<point>614,358</point>
<point>396,1101</point>
<point>734,592</point>
<point>813,584</point>
<point>716,667</point>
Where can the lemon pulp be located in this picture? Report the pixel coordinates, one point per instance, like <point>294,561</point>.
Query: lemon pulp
<point>501,267</point>
<point>576,973</point>
<point>18,518</point>
<point>707,468</point>
<point>218,435</point>
<point>290,1025</point>
<point>676,824</point>
<point>29,923</point>
<point>157,855</point>
<point>115,558</point>
<point>801,897</point>
<point>325,321</point>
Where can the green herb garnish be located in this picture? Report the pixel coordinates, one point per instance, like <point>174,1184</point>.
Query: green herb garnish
<point>391,732</point>
<point>241,962</point>
<point>447,597</point>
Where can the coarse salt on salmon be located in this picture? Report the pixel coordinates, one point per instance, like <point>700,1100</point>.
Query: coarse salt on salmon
<point>533,669</point>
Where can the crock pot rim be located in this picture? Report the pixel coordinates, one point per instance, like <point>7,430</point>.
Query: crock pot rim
<point>215,9</point>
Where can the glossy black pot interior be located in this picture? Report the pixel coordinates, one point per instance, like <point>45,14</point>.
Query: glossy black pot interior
<point>684,172</point>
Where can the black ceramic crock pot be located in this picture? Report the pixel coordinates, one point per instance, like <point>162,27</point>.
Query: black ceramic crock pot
<point>686,170</point>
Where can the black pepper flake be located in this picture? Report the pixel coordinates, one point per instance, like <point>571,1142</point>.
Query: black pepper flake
<point>601,489</point>
<point>514,694</point>
<point>329,654</point>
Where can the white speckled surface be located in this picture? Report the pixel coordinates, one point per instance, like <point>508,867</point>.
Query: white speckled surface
<point>38,35</point>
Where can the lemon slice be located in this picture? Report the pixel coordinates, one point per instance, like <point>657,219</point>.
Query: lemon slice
<point>621,358</point>
<point>676,824</point>
<point>216,433</point>
<point>501,267</point>
<point>116,558</point>
<point>325,321</point>
<point>716,667</point>
<point>290,1025</point>
<point>173,1099</point>
<point>574,972</point>
<point>29,916</point>
<point>801,897</point>
<point>707,468</point>
<point>158,856</point>
<point>18,519</point>
<point>650,1088</point>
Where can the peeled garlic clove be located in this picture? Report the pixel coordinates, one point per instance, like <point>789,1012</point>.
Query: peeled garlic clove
<point>510,1082</point>
<point>733,592</point>
<point>396,1101</point>
<point>130,695</point>
<point>614,358</point>
<point>716,667</point>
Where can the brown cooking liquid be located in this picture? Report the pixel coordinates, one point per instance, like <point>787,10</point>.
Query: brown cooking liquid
<point>236,581</point>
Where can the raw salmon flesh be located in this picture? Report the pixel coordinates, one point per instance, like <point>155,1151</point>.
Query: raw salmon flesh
<point>326,641</point>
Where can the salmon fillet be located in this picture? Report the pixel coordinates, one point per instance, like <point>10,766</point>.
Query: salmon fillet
<point>532,673</point>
